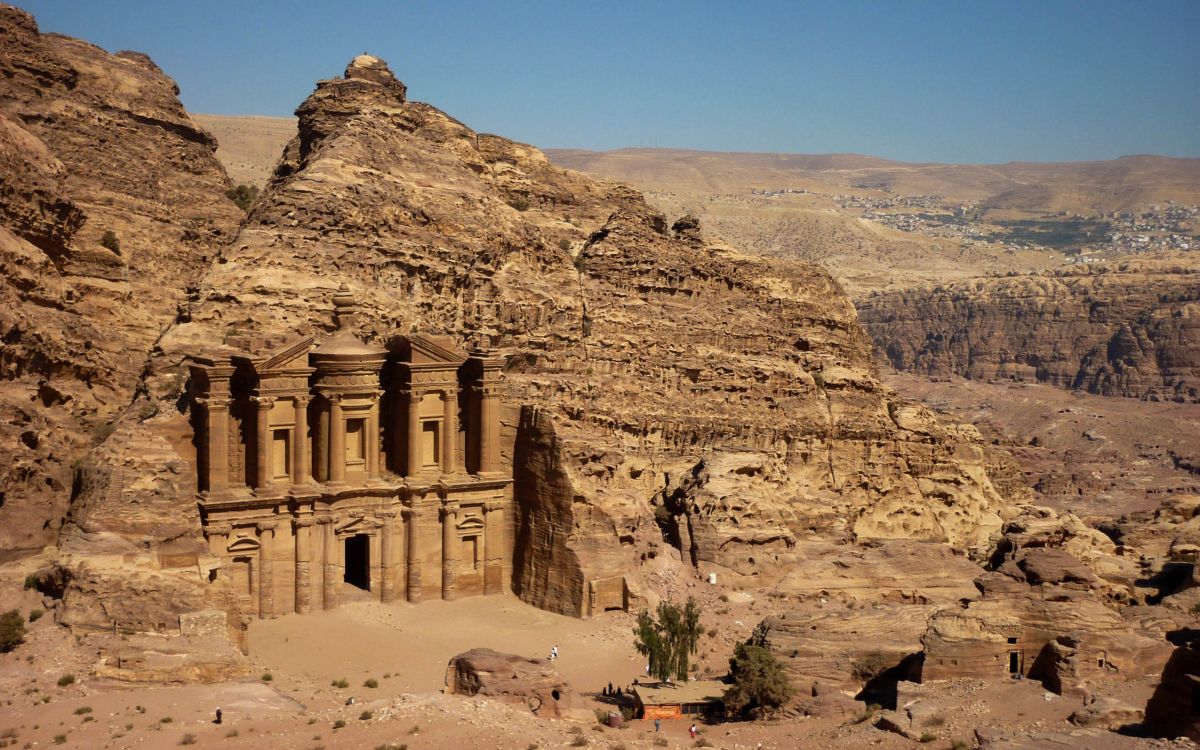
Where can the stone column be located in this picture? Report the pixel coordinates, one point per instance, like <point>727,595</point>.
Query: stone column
<point>266,587</point>
<point>262,432</point>
<point>413,465</point>
<point>489,429</point>
<point>332,580</point>
<point>216,411</point>
<point>301,474</point>
<point>399,422</point>
<point>413,562</point>
<point>387,553</point>
<point>372,440</point>
<point>218,538</point>
<point>493,547</point>
<point>303,527</point>
<point>449,431</point>
<point>449,550</point>
<point>337,441</point>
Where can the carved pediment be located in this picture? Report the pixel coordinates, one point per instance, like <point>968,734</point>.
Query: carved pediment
<point>470,525</point>
<point>359,526</point>
<point>243,545</point>
<point>292,356</point>
<point>424,350</point>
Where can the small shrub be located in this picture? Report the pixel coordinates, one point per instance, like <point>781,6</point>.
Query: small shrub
<point>12,630</point>
<point>231,733</point>
<point>579,741</point>
<point>67,679</point>
<point>520,203</point>
<point>958,745</point>
<point>339,724</point>
<point>267,676</point>
<point>31,581</point>
<point>869,666</point>
<point>342,683</point>
<point>35,615</point>
<point>661,742</point>
<point>1196,608</point>
<point>576,729</point>
<point>109,240</point>
<point>564,244</point>
<point>702,742</point>
<point>927,737</point>
<point>83,710</point>
<point>188,739</point>
<point>243,195</point>
<point>371,683</point>
<point>88,718</point>
<point>712,632</point>
<point>365,716</point>
<point>60,739</point>
<point>165,720</point>
<point>414,729</point>
<point>391,746</point>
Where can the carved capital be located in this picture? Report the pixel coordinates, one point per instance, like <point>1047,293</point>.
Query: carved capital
<point>303,522</point>
<point>218,529</point>
<point>385,515</point>
<point>449,510</point>
<point>265,526</point>
<point>325,520</point>
<point>301,401</point>
<point>213,403</point>
<point>264,402</point>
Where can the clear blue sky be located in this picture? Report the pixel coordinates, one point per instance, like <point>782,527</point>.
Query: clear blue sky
<point>946,80</point>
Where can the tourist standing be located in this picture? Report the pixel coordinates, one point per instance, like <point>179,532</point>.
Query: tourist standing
<point>657,724</point>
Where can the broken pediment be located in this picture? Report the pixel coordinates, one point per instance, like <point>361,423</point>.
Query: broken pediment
<point>429,350</point>
<point>243,545</point>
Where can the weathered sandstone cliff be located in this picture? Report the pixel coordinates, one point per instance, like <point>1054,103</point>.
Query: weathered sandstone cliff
<point>664,396</point>
<point>90,143</point>
<point>1128,328</point>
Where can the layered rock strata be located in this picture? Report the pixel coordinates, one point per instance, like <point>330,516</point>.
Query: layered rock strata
<point>1128,328</point>
<point>111,203</point>
<point>669,385</point>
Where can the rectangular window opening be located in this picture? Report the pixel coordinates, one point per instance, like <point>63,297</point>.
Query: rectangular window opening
<point>356,438</point>
<point>431,449</point>
<point>281,454</point>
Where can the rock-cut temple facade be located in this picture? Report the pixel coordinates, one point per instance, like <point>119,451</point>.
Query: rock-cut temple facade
<point>335,467</point>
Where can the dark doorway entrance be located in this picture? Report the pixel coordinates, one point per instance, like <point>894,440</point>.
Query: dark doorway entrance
<point>358,561</point>
<point>1014,662</point>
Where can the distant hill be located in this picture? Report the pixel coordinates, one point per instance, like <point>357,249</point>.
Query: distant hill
<point>249,145</point>
<point>1078,187</point>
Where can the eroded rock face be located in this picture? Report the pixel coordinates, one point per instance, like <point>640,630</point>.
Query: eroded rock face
<point>1046,630</point>
<point>89,143</point>
<point>1122,329</point>
<point>1171,711</point>
<point>515,679</point>
<point>651,358</point>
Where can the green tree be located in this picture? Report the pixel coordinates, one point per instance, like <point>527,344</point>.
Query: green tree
<point>759,683</point>
<point>243,195</point>
<point>12,630</point>
<point>668,640</point>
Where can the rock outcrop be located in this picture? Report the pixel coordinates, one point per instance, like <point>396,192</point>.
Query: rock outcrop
<point>515,679</point>
<point>1127,328</point>
<point>677,385</point>
<point>111,203</point>
<point>1174,708</point>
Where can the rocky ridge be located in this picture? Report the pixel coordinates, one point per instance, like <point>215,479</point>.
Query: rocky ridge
<point>90,143</point>
<point>1128,328</point>
<point>666,384</point>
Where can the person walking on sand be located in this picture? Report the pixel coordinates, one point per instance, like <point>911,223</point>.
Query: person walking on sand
<point>218,719</point>
<point>657,724</point>
<point>692,731</point>
<point>554,652</point>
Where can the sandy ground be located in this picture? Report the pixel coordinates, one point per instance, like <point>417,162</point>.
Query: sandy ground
<point>405,648</point>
